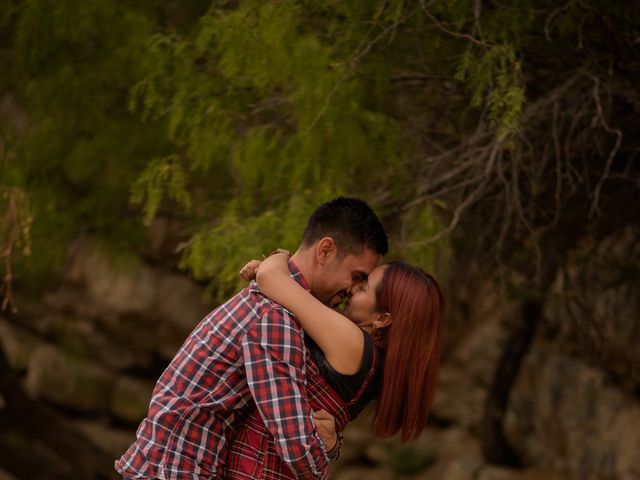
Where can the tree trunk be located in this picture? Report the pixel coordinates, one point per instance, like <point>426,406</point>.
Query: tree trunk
<point>495,447</point>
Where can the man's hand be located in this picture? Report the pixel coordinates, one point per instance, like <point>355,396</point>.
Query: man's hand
<point>248,272</point>
<point>326,426</point>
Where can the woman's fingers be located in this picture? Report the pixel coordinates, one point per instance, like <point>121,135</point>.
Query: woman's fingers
<point>248,272</point>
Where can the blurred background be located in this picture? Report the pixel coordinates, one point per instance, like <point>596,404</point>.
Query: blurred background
<point>148,149</point>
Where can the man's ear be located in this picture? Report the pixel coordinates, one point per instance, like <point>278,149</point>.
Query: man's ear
<point>384,320</point>
<point>325,250</point>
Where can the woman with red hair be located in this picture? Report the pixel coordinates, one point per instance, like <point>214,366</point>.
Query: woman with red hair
<point>385,345</point>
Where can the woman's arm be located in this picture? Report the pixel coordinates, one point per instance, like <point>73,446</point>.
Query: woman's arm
<point>341,340</point>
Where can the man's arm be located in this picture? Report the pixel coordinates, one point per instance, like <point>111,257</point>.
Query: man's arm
<point>274,360</point>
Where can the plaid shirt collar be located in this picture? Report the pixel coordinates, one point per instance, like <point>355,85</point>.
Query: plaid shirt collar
<point>296,274</point>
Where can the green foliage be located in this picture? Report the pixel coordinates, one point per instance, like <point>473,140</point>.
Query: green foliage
<point>420,242</point>
<point>15,236</point>
<point>243,117</point>
<point>73,64</point>
<point>162,177</point>
<point>494,76</point>
<point>407,460</point>
<point>240,117</point>
<point>272,112</point>
<point>14,203</point>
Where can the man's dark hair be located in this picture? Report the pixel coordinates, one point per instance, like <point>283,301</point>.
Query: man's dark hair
<point>350,222</point>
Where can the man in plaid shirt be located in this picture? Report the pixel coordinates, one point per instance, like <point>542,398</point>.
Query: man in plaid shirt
<point>249,351</point>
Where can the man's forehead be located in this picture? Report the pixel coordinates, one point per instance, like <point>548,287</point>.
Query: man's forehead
<point>364,262</point>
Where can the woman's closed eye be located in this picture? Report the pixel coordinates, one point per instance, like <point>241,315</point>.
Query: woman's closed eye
<point>358,277</point>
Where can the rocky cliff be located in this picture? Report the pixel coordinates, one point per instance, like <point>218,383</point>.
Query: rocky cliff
<point>78,367</point>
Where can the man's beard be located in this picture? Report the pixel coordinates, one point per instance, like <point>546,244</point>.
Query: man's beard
<point>336,301</point>
<point>330,300</point>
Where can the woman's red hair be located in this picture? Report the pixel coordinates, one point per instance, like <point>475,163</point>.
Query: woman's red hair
<point>412,343</point>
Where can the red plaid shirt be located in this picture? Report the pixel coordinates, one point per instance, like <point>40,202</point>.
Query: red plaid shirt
<point>253,454</point>
<point>249,350</point>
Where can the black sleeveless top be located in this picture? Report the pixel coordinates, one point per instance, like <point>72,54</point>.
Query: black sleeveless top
<point>356,390</point>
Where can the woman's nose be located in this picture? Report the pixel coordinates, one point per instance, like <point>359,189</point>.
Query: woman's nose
<point>354,288</point>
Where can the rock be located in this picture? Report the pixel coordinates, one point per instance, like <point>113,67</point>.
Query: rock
<point>179,308</point>
<point>378,452</point>
<point>568,416</point>
<point>451,443</point>
<point>362,473</point>
<point>116,353</point>
<point>114,441</point>
<point>594,308</point>
<point>540,474</point>
<point>462,468</point>
<point>120,285</point>
<point>457,453</point>
<point>15,116</point>
<point>466,375</point>
<point>17,345</point>
<point>4,475</point>
<point>167,343</point>
<point>68,381</point>
<point>83,337</point>
<point>130,399</point>
<point>127,303</point>
<point>36,442</point>
<point>126,286</point>
<point>358,435</point>
<point>424,457</point>
<point>492,472</point>
<point>624,435</point>
<point>180,302</point>
<point>165,234</point>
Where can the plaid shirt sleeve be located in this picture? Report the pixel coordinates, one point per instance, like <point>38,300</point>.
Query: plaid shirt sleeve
<point>274,360</point>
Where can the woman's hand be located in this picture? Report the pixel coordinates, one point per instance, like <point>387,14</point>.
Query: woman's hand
<point>279,264</point>
<point>326,426</point>
<point>274,267</point>
<point>248,272</point>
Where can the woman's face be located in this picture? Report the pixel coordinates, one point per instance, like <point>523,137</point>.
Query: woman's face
<point>361,308</point>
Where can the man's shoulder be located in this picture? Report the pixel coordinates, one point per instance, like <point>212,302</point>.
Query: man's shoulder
<point>251,298</point>
<point>273,309</point>
<point>267,308</point>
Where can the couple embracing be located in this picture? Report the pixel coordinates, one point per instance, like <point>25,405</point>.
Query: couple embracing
<point>264,385</point>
